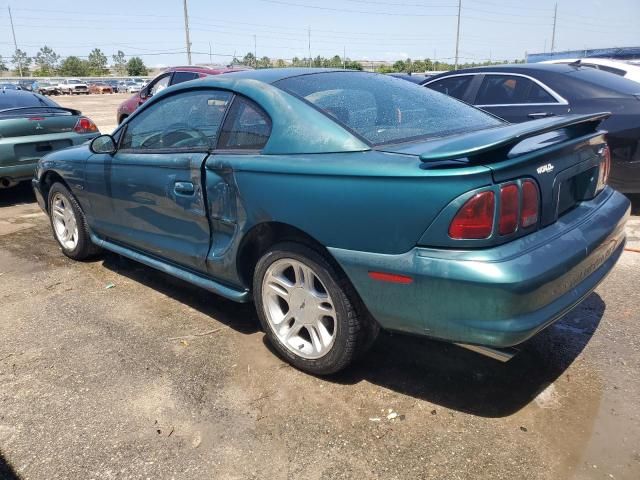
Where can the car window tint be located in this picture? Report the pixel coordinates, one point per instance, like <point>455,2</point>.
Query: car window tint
<point>18,98</point>
<point>511,90</point>
<point>247,126</point>
<point>452,86</point>
<point>383,109</point>
<point>179,77</point>
<point>187,120</point>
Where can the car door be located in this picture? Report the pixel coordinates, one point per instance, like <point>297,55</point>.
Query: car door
<point>518,98</point>
<point>149,194</point>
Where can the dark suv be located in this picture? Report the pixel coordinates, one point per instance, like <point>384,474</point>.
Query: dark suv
<point>169,77</point>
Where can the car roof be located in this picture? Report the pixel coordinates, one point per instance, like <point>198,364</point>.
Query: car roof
<point>203,69</point>
<point>272,75</point>
<point>515,68</point>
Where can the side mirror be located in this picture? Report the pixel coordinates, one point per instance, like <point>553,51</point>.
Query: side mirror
<point>103,144</point>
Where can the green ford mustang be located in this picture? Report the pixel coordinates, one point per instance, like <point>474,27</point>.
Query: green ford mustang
<point>344,202</point>
<point>32,126</point>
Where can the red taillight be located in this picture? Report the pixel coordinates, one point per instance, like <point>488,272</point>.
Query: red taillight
<point>530,204</point>
<point>508,218</point>
<point>475,219</point>
<point>605,167</point>
<point>84,125</point>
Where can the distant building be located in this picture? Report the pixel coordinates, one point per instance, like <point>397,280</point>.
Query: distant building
<point>624,53</point>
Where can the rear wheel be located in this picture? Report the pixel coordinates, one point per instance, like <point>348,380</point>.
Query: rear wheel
<point>308,310</point>
<point>69,224</point>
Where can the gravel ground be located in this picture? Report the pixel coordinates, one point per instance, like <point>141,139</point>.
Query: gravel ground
<point>109,369</point>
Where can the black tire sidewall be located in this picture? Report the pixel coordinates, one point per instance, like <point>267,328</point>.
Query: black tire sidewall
<point>84,248</point>
<point>346,327</point>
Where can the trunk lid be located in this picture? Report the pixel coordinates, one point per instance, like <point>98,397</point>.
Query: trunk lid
<point>20,122</point>
<point>559,153</point>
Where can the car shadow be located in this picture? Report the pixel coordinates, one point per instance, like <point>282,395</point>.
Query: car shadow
<point>635,203</point>
<point>21,193</point>
<point>438,372</point>
<point>453,377</point>
<point>6,470</point>
<point>241,317</point>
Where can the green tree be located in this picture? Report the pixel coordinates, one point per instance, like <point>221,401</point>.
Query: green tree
<point>280,63</point>
<point>119,63</point>
<point>46,61</point>
<point>97,62</point>
<point>136,67</point>
<point>264,62</point>
<point>3,66</point>
<point>74,67</point>
<point>21,60</point>
<point>249,60</point>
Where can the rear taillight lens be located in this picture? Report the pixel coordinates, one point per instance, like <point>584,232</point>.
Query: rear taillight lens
<point>508,218</point>
<point>605,167</point>
<point>530,204</point>
<point>475,219</point>
<point>85,125</point>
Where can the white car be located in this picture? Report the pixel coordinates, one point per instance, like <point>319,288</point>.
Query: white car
<point>624,69</point>
<point>133,87</point>
<point>73,86</point>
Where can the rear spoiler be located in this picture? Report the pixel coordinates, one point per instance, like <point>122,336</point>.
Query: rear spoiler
<point>501,140</point>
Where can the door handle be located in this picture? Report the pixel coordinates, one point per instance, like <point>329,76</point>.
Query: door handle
<point>184,188</point>
<point>540,115</point>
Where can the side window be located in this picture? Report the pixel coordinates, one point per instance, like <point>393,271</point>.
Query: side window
<point>187,120</point>
<point>160,85</point>
<point>247,127</point>
<point>179,77</point>
<point>452,86</point>
<point>511,90</point>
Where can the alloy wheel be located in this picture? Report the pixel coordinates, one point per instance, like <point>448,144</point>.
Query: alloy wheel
<point>65,224</point>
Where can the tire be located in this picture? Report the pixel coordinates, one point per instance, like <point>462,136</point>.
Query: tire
<point>313,320</point>
<point>65,213</point>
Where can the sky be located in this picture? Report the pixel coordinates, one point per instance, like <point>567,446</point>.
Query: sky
<point>364,29</point>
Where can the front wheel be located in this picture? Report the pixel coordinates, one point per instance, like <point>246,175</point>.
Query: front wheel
<point>308,310</point>
<point>69,224</point>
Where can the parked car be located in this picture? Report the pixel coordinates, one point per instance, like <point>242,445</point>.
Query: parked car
<point>411,77</point>
<point>10,86</point>
<point>100,88</point>
<point>342,201</point>
<point>31,126</point>
<point>47,88</point>
<point>25,85</point>
<point>132,87</point>
<point>73,86</point>
<point>618,67</point>
<point>518,93</point>
<point>114,84</point>
<point>171,76</point>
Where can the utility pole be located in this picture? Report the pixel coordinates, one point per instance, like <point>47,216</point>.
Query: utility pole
<point>553,35</point>
<point>344,57</point>
<point>15,43</point>
<point>435,62</point>
<point>458,34</point>
<point>309,46</point>
<point>255,52</point>
<point>210,55</point>
<point>186,31</point>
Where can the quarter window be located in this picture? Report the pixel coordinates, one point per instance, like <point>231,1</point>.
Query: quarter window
<point>179,77</point>
<point>184,121</point>
<point>452,86</point>
<point>511,90</point>
<point>247,127</point>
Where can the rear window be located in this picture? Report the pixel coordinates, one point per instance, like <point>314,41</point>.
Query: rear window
<point>15,99</point>
<point>605,80</point>
<point>383,109</point>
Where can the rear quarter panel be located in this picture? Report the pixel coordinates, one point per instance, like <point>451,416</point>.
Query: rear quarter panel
<point>366,201</point>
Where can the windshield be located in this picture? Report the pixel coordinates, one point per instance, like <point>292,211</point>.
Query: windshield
<point>383,109</point>
<point>24,99</point>
<point>75,81</point>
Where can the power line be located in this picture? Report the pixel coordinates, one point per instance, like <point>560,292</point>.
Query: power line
<point>365,12</point>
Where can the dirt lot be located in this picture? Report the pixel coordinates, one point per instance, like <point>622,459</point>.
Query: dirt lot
<point>109,369</point>
<point>100,108</point>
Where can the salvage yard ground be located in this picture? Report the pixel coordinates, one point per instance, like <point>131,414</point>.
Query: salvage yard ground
<point>109,369</point>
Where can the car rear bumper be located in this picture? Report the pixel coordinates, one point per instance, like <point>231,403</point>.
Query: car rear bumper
<point>500,296</point>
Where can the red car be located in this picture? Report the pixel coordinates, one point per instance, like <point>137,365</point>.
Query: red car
<point>169,77</point>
